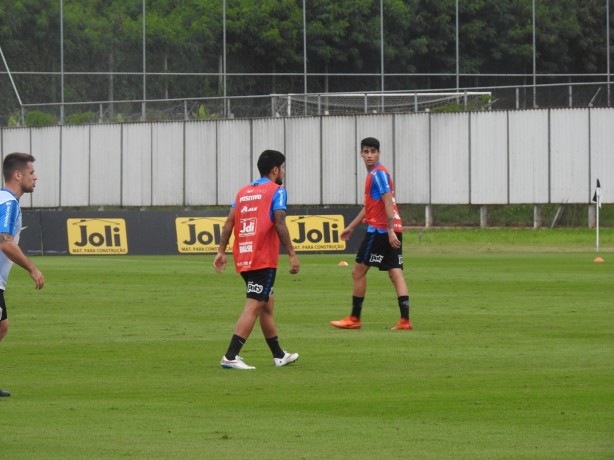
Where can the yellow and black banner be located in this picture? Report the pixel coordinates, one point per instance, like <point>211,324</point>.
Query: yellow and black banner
<point>199,234</point>
<point>316,232</point>
<point>97,236</point>
<point>166,232</point>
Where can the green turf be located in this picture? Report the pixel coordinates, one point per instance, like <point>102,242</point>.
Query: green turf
<point>512,356</point>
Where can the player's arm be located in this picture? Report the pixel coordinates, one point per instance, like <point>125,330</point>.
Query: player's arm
<point>389,208</point>
<point>220,258</point>
<point>12,250</point>
<point>281,228</point>
<point>347,231</point>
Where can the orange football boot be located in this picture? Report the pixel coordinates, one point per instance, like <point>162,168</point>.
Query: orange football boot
<point>349,322</point>
<point>403,324</point>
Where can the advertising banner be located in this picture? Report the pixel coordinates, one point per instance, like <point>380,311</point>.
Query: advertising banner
<point>83,233</point>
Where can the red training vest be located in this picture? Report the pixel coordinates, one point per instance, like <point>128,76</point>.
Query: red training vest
<point>375,211</point>
<point>256,244</point>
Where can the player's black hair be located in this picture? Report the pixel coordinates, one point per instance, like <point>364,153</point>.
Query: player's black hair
<point>369,142</point>
<point>15,162</point>
<point>268,160</point>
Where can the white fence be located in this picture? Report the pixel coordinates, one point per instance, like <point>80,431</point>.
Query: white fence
<point>533,156</point>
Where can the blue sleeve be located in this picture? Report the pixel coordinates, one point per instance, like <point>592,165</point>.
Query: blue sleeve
<point>380,184</point>
<point>279,200</point>
<point>9,211</point>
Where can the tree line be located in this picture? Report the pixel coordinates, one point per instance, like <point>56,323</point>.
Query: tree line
<point>265,49</point>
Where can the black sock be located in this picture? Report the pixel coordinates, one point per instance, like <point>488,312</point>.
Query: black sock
<point>273,344</point>
<point>357,306</point>
<point>236,343</point>
<point>404,306</point>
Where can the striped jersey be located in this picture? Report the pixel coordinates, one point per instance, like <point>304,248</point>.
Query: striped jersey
<point>10,222</point>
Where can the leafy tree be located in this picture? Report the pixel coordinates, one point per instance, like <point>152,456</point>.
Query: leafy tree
<point>104,36</point>
<point>29,35</point>
<point>433,37</point>
<point>265,41</point>
<point>588,50</point>
<point>343,37</point>
<point>263,36</point>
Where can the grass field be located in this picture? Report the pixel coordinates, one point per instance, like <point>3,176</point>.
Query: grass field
<point>512,356</point>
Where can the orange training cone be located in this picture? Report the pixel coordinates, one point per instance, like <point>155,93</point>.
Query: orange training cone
<point>343,263</point>
<point>598,259</point>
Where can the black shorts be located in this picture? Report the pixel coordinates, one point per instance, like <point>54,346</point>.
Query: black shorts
<point>375,251</point>
<point>3,313</point>
<point>259,283</point>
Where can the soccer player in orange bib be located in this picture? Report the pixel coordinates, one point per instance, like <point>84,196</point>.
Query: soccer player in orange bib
<point>258,219</point>
<point>382,245</point>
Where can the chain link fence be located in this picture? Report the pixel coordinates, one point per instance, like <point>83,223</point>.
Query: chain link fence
<point>555,93</point>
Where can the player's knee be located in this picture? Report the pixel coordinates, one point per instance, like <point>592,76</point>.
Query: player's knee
<point>396,276</point>
<point>4,329</point>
